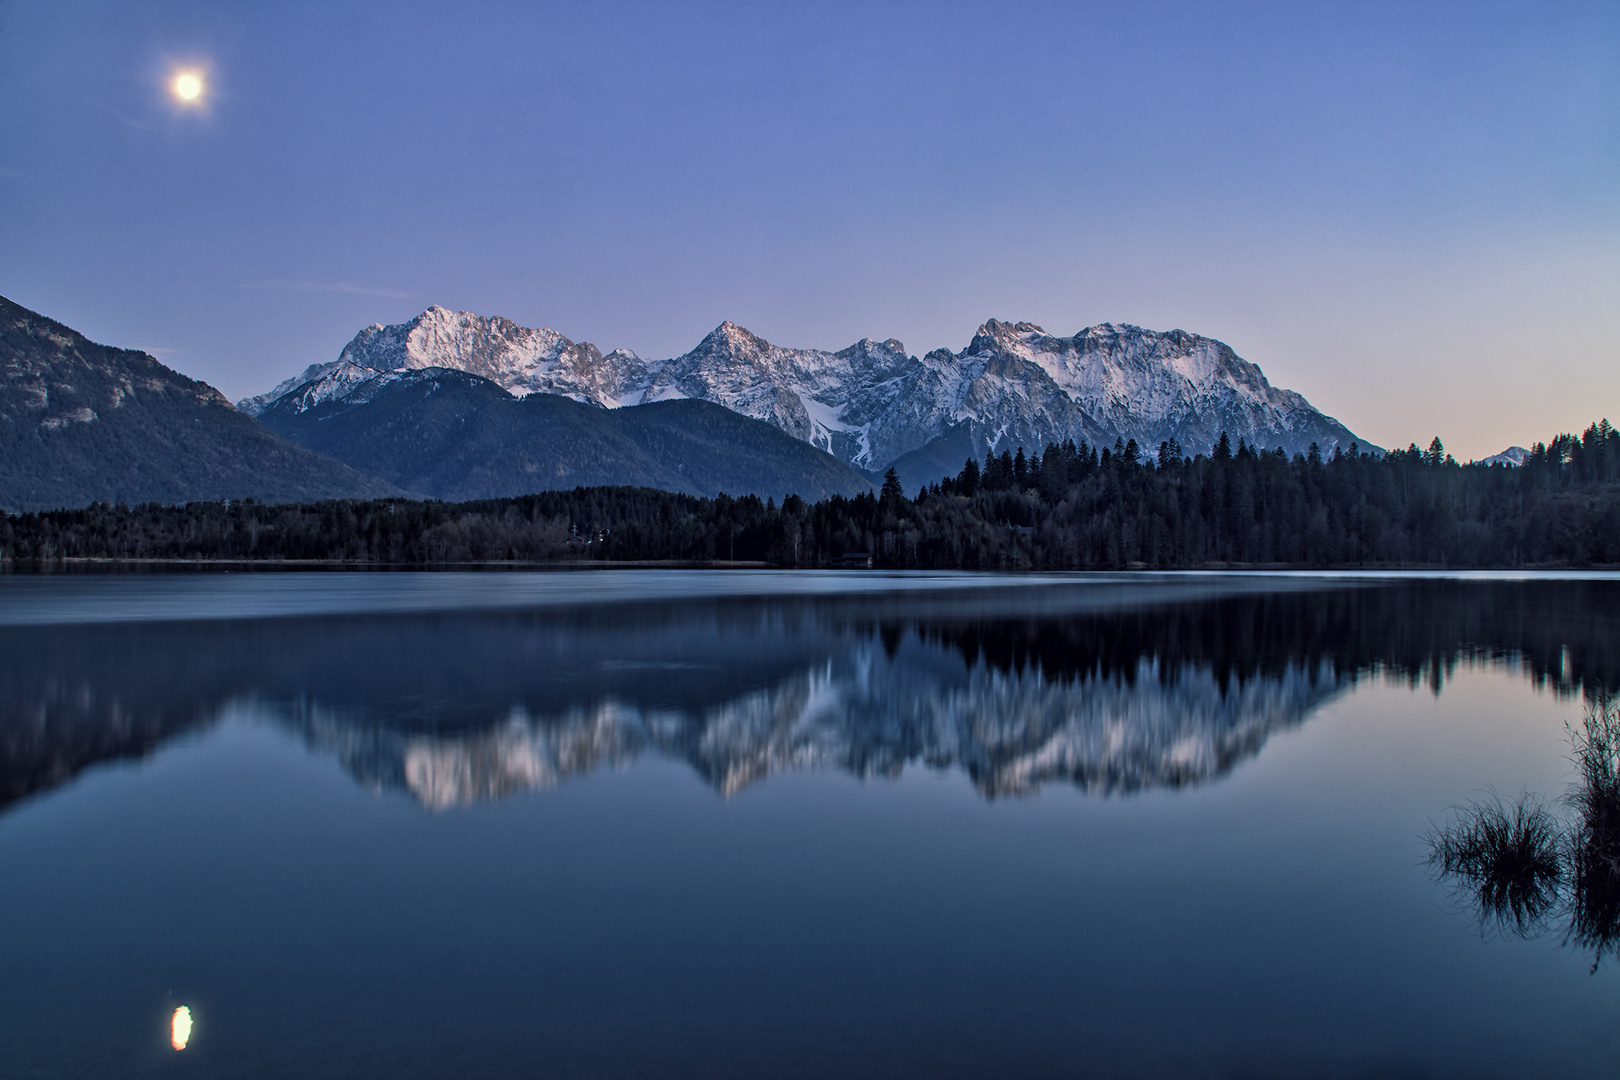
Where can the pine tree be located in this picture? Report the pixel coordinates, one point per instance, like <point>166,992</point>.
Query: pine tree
<point>892,494</point>
<point>967,481</point>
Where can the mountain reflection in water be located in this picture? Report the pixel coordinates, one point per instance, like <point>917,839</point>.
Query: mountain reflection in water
<point>865,712</point>
<point>1111,692</point>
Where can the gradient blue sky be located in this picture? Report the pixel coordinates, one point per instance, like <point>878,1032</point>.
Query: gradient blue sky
<point>1408,212</point>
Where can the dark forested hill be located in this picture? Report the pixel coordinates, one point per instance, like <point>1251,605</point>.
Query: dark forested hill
<point>81,422</point>
<point>453,435</point>
<point>1069,508</point>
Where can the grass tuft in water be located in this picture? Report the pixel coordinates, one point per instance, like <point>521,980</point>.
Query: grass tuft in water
<point>1594,845</point>
<point>1506,858</point>
<point>1521,866</point>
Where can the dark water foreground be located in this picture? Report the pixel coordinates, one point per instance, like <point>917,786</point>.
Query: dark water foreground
<point>652,824</point>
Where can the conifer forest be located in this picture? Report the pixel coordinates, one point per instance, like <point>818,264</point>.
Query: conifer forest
<point>1068,507</point>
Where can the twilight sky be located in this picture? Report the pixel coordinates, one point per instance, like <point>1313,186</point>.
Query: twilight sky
<point>1410,213</point>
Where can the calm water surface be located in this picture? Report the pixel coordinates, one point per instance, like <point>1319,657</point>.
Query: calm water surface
<point>692,824</point>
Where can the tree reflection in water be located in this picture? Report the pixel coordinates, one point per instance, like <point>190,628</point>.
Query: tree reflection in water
<point>1526,870</point>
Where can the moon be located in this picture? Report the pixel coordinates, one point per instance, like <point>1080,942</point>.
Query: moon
<point>180,1028</point>
<point>188,86</point>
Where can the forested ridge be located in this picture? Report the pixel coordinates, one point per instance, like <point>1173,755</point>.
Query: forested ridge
<point>1070,507</point>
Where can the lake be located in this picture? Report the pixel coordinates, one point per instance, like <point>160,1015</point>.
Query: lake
<point>729,824</point>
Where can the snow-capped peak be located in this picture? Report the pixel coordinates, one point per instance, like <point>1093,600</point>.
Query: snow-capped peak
<point>1512,456</point>
<point>520,360</point>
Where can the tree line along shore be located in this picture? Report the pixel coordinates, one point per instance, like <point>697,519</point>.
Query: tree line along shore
<point>1068,508</point>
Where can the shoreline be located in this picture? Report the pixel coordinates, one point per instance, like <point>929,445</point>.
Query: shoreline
<point>10,565</point>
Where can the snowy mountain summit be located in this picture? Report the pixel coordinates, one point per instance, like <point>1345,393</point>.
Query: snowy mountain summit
<point>1512,457</point>
<point>872,404</point>
<point>519,360</point>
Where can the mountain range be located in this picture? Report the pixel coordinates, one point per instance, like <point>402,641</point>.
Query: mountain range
<point>872,405</point>
<point>82,422</point>
<point>453,435</point>
<point>456,405</point>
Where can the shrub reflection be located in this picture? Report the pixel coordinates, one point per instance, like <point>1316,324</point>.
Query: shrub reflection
<point>1525,869</point>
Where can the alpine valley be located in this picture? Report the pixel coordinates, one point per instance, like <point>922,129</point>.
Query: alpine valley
<point>872,405</point>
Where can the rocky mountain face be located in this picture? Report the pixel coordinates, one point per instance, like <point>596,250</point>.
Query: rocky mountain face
<point>449,434</point>
<point>81,422</point>
<point>873,405</point>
